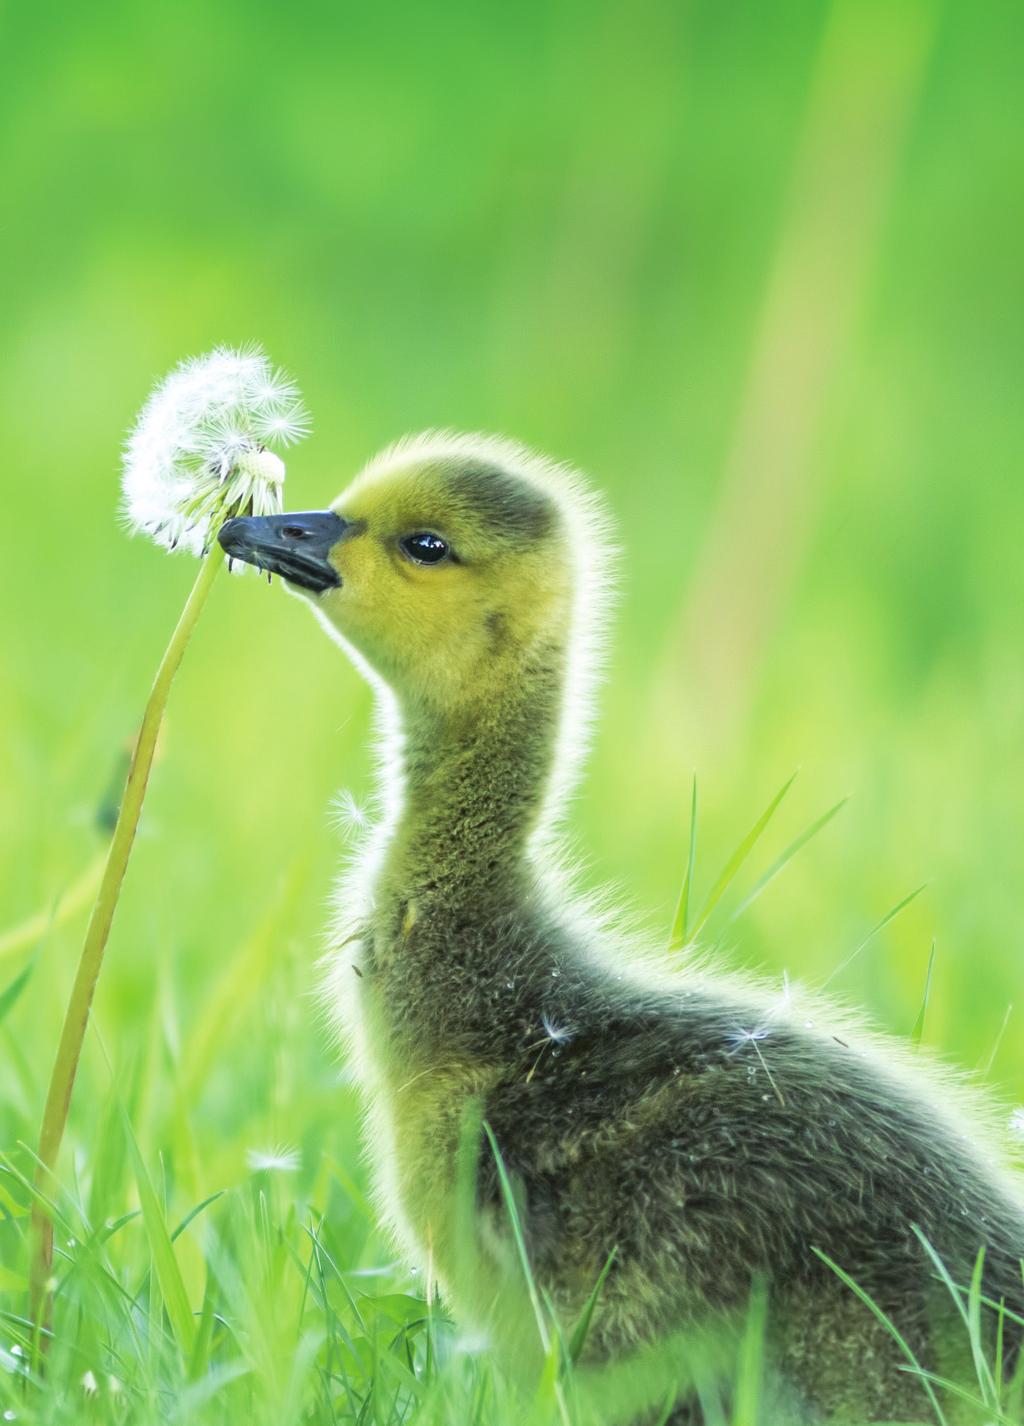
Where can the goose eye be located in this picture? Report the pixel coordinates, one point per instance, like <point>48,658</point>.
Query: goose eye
<point>425,548</point>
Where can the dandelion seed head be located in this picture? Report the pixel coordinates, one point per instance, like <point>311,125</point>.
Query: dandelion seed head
<point>278,1160</point>
<point>200,448</point>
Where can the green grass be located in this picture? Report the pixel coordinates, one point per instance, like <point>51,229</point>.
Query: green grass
<point>270,1296</point>
<point>756,268</point>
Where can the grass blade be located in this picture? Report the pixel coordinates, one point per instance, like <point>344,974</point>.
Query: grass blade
<point>10,993</point>
<point>992,1416</point>
<point>890,1327</point>
<point>746,1409</point>
<point>680,922</point>
<point>987,1068</point>
<point>739,856</point>
<point>517,1235</point>
<point>194,1213</point>
<point>165,1264</point>
<point>889,916</point>
<point>524,1258</point>
<point>970,1313</point>
<point>981,1367</point>
<point>918,1030</point>
<point>579,1333</point>
<point>787,856</point>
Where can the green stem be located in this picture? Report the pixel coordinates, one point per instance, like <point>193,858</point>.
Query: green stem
<point>76,1017</point>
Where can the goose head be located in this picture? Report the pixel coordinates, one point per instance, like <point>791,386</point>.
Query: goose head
<point>447,567</point>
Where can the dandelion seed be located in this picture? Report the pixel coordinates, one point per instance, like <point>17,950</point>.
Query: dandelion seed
<point>786,993</point>
<point>279,1160</point>
<point>753,1038</point>
<point>89,1384</point>
<point>199,450</point>
<point>746,1037</point>
<point>560,1034</point>
<point>1017,1123</point>
<point>350,816</point>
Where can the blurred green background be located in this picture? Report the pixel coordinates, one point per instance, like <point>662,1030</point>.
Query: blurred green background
<point>757,269</point>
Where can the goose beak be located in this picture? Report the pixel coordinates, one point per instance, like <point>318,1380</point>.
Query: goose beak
<point>293,546</point>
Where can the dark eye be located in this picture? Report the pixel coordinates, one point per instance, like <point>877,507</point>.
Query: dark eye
<point>425,548</point>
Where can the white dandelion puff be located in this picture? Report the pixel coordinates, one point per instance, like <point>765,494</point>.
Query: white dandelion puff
<point>278,1160</point>
<point>201,448</point>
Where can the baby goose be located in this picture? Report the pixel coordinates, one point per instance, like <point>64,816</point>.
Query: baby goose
<point>709,1135</point>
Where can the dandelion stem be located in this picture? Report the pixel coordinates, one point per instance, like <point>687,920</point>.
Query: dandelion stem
<point>76,1017</point>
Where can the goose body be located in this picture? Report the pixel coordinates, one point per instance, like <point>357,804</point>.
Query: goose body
<point>707,1135</point>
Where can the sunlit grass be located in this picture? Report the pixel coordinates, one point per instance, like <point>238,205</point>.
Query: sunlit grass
<point>192,1286</point>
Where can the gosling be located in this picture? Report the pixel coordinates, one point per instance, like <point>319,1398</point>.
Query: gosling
<point>705,1137</point>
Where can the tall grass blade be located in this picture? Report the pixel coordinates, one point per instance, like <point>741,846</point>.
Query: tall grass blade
<point>200,1359</point>
<point>970,1314</point>
<point>579,1333</point>
<point>680,922</point>
<point>739,856</point>
<point>750,1373</point>
<point>519,1239</point>
<point>194,1213</point>
<point>515,1222</point>
<point>918,1031</point>
<point>982,1415</point>
<point>879,926</point>
<point>10,993</point>
<point>987,1067</point>
<point>787,856</point>
<point>982,1371</point>
<point>165,1264</point>
<point>890,1327</point>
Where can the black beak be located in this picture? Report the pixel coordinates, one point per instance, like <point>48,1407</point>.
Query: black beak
<point>293,546</point>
